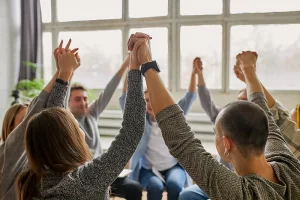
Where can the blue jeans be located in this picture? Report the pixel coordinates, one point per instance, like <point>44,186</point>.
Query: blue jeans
<point>192,192</point>
<point>175,179</point>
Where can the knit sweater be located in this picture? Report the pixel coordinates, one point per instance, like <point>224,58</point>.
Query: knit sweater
<point>92,180</point>
<point>217,181</point>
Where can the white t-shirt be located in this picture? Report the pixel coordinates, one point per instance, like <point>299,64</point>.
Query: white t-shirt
<point>157,154</point>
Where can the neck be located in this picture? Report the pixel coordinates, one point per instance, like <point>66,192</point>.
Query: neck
<point>254,165</point>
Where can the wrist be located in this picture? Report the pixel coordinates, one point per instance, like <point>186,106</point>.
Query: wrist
<point>65,75</point>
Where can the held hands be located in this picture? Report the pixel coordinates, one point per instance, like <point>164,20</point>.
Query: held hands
<point>245,61</point>
<point>139,45</point>
<point>67,60</point>
<point>197,66</point>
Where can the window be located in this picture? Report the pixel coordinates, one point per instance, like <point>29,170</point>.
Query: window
<point>278,48</point>
<point>78,10</point>
<point>100,53</point>
<point>47,57</point>
<point>201,7</point>
<point>214,30</point>
<point>46,10</point>
<point>137,8</point>
<point>205,42</point>
<point>259,6</point>
<point>159,47</point>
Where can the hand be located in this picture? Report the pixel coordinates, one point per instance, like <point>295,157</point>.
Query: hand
<point>247,60</point>
<point>197,66</point>
<point>237,69</point>
<point>67,61</point>
<point>59,49</point>
<point>139,46</point>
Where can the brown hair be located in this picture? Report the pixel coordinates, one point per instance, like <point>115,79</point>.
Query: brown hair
<point>53,141</point>
<point>77,86</point>
<point>9,119</point>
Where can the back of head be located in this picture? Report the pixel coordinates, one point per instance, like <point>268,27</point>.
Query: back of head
<point>247,125</point>
<point>53,141</point>
<point>9,118</point>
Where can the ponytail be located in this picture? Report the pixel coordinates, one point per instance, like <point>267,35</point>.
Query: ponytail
<point>27,185</point>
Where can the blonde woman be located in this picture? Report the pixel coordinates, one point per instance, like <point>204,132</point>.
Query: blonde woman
<point>13,117</point>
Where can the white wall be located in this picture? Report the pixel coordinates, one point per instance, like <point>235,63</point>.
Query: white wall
<point>9,51</point>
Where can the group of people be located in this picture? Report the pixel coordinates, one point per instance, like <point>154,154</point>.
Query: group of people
<point>51,148</point>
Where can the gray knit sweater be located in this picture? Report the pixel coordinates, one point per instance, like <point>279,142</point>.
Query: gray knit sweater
<point>92,180</point>
<point>218,182</point>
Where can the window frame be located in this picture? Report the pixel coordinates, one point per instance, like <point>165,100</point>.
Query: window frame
<point>173,22</point>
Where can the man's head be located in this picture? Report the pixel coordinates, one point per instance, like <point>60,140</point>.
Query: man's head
<point>241,127</point>
<point>78,102</point>
<point>148,104</point>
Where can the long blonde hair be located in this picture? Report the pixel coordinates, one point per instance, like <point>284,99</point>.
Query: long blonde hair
<point>9,120</point>
<point>53,141</point>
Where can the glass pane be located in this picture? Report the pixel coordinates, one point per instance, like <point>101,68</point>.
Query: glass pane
<point>259,6</point>
<point>205,42</point>
<point>46,10</point>
<point>201,7</point>
<point>154,8</point>
<point>159,48</point>
<point>100,53</point>
<point>78,10</point>
<point>47,57</point>
<point>278,48</point>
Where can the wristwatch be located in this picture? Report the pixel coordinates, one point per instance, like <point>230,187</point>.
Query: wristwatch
<point>150,65</point>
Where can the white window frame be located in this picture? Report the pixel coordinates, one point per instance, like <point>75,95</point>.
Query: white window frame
<point>173,21</point>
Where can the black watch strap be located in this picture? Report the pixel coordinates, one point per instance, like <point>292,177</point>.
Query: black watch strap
<point>149,65</point>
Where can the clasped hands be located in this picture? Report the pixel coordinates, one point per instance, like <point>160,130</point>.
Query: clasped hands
<point>140,50</point>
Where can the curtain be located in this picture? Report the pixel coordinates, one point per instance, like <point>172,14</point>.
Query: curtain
<point>31,40</point>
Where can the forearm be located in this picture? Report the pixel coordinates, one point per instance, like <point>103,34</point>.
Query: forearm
<point>271,101</point>
<point>125,85</point>
<point>192,87</point>
<point>50,85</point>
<point>201,81</point>
<point>252,82</point>
<point>159,95</point>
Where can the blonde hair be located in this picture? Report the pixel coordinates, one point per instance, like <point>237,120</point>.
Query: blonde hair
<point>53,141</point>
<point>9,119</point>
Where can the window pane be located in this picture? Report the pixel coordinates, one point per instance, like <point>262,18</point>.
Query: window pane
<point>46,10</point>
<point>154,8</point>
<point>278,48</point>
<point>159,48</point>
<point>201,7</point>
<point>47,56</point>
<point>205,42</point>
<point>78,10</point>
<point>259,6</point>
<point>100,53</point>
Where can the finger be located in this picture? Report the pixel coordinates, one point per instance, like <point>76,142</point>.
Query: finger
<point>60,45</point>
<point>129,44</point>
<point>74,50</point>
<point>139,43</point>
<point>68,44</point>
<point>142,35</point>
<point>132,42</point>
<point>63,52</point>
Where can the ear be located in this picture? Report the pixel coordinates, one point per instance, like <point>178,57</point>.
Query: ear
<point>227,144</point>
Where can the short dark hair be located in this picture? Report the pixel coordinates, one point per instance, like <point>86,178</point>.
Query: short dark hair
<point>247,125</point>
<point>77,86</point>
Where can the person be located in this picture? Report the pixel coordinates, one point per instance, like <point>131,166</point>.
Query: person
<point>63,169</point>
<point>264,166</point>
<point>12,118</point>
<point>13,159</point>
<point>152,165</point>
<point>87,117</point>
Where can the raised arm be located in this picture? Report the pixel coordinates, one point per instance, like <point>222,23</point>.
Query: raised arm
<point>275,143</point>
<point>123,96</point>
<point>103,170</point>
<point>201,166</point>
<point>100,104</point>
<point>204,95</point>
